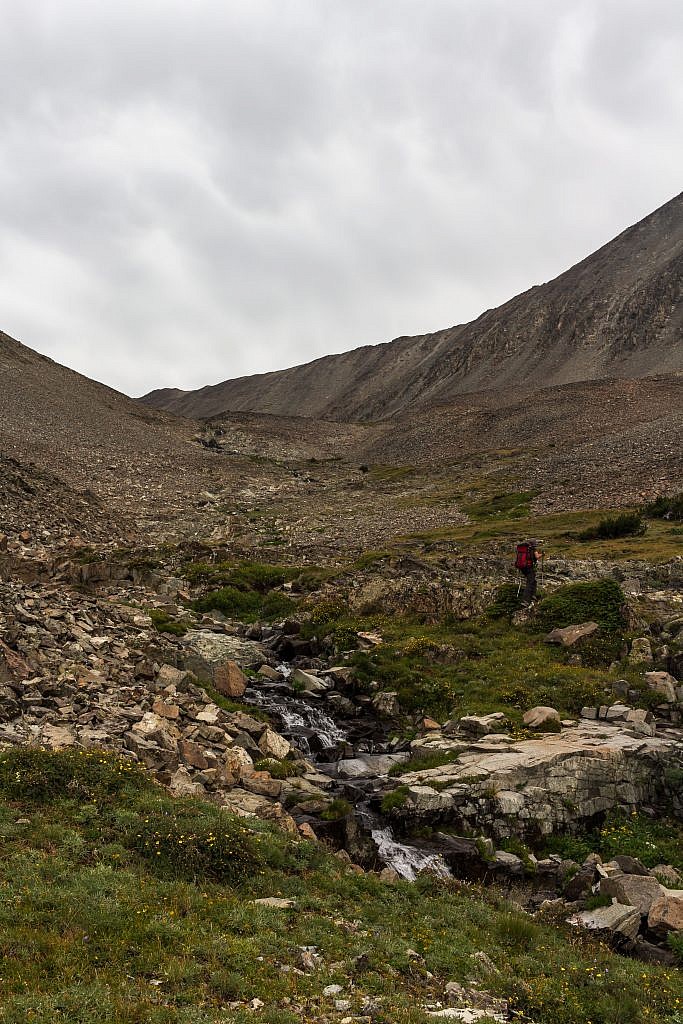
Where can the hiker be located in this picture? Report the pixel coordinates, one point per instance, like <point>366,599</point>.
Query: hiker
<point>527,557</point>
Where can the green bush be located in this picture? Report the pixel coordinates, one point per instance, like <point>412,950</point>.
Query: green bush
<point>193,840</point>
<point>279,769</point>
<point>396,798</point>
<point>664,507</point>
<point>246,605</point>
<point>42,776</point>
<point>420,762</point>
<point>507,601</point>
<point>626,524</point>
<point>336,810</point>
<point>164,624</point>
<point>600,601</point>
<point>635,835</point>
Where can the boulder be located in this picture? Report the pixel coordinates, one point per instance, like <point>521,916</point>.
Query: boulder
<point>668,875</point>
<point>662,682</point>
<point>542,718</point>
<point>164,710</point>
<point>228,679</point>
<point>615,921</point>
<point>271,744</point>
<point>570,635</point>
<point>307,682</point>
<point>386,704</point>
<point>666,912</point>
<point>638,891</point>
<point>237,759</point>
<point>641,651</point>
<point>481,725</point>
<point>192,754</point>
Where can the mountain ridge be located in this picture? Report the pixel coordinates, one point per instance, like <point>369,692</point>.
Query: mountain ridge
<point>616,313</point>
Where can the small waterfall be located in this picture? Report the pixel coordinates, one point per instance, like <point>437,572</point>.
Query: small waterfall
<point>300,720</point>
<point>408,861</point>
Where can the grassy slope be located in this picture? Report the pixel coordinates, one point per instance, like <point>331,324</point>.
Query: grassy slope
<point>99,927</point>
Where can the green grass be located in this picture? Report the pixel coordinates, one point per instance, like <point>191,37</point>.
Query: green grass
<point>560,533</point>
<point>626,524</point>
<point>652,841</point>
<point>163,623</point>
<point>247,606</point>
<point>95,928</point>
<point>508,505</point>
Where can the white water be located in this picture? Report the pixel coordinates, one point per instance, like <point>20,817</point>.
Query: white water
<point>408,861</point>
<point>296,715</point>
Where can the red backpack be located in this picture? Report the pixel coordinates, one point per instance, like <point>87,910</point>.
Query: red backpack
<point>524,557</point>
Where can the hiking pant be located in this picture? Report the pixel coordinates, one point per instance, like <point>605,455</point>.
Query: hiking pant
<point>530,586</point>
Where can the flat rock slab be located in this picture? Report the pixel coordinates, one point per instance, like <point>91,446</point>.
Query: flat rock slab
<point>614,920</point>
<point>206,650</point>
<point>542,784</point>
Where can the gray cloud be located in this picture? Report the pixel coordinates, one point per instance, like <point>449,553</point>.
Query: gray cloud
<point>194,191</point>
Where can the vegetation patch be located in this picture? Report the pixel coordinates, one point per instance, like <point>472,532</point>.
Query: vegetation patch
<point>626,524</point>
<point>652,841</point>
<point>96,927</point>
<point>508,505</point>
<point>163,623</point>
<point>279,769</point>
<point>665,507</point>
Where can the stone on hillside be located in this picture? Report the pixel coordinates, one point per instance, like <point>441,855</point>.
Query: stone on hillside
<point>192,754</point>
<point>386,703</point>
<point>641,651</point>
<point>171,711</point>
<point>663,683</point>
<point>57,736</point>
<point>509,802</point>
<point>271,744</point>
<point>541,718</point>
<point>638,891</point>
<point>170,676</point>
<point>667,874</point>
<point>429,724</point>
<point>228,679</point>
<point>666,913</point>
<point>481,725</point>
<point>508,863</point>
<point>12,665</point>
<point>267,672</point>
<point>237,759</point>
<point>278,902</point>
<point>368,765</point>
<point>570,635</point>
<point>630,865</point>
<point>307,681</point>
<point>614,921</point>
<point>181,784</point>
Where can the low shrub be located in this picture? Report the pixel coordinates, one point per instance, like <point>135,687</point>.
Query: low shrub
<point>395,799</point>
<point>626,524</point>
<point>246,605</point>
<point>665,507</point>
<point>421,762</point>
<point>600,601</point>
<point>279,769</point>
<point>336,810</point>
<point>41,776</point>
<point>164,624</point>
<point>192,840</point>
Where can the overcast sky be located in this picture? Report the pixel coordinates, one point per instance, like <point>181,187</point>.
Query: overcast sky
<point>196,190</point>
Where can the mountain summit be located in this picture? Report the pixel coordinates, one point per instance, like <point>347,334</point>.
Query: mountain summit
<point>618,313</point>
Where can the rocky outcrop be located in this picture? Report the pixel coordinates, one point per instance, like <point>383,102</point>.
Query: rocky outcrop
<point>532,788</point>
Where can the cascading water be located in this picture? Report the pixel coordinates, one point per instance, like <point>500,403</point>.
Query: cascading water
<point>306,724</point>
<point>407,860</point>
<point>300,720</point>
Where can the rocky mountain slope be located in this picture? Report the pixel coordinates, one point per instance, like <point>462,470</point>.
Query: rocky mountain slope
<point>618,313</point>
